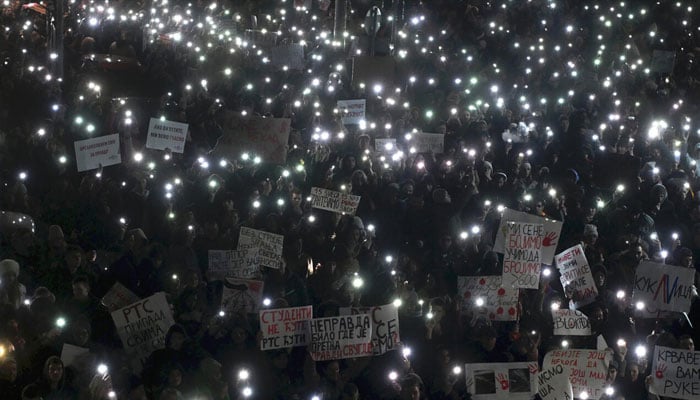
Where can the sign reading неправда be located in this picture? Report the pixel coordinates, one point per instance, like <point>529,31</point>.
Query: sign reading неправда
<point>340,337</point>
<point>164,134</point>
<point>522,258</point>
<point>352,112</point>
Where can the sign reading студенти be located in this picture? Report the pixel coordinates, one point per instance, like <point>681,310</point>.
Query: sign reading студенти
<point>339,202</point>
<point>346,336</point>
<point>164,134</point>
<point>285,327</point>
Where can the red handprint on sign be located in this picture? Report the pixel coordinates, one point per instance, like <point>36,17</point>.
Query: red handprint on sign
<point>503,380</point>
<point>533,369</point>
<point>549,239</point>
<point>660,369</point>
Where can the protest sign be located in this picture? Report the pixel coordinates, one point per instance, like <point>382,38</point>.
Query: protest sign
<point>70,354</point>
<point>338,202</point>
<point>427,142</point>
<point>570,323</point>
<point>142,326</point>
<point>233,264</point>
<point>385,145</point>
<point>118,296</point>
<point>676,373</point>
<point>552,229</point>
<point>523,255</point>
<point>241,296</point>
<point>587,370</point>
<point>345,336</point>
<point>662,61</point>
<point>288,55</point>
<point>513,381</point>
<point>164,134</point>
<point>385,326</point>
<point>352,111</point>
<point>485,296</point>
<point>256,136</point>
<point>285,327</point>
<point>576,277</point>
<point>663,287</point>
<point>553,384</point>
<point>268,245</point>
<point>91,153</point>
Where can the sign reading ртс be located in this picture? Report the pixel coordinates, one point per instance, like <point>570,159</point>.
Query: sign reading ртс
<point>285,327</point>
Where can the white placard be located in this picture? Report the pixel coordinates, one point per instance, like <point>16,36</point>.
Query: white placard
<point>340,337</point>
<point>422,142</point>
<point>485,296</point>
<point>570,323</point>
<point>164,134</point>
<point>330,200</point>
<point>522,259</point>
<point>385,326</point>
<point>576,277</point>
<point>501,381</point>
<point>285,327</point>
<point>587,369</point>
<point>268,245</point>
<point>352,111</point>
<point>552,230</point>
<point>663,287</point>
<point>91,153</point>
<point>241,296</point>
<point>553,384</point>
<point>233,264</point>
<point>118,296</point>
<point>675,373</point>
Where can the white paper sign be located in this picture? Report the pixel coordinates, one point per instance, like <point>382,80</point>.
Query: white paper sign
<point>676,373</point>
<point>422,142</point>
<point>233,264</point>
<point>663,287</point>
<point>241,296</point>
<point>285,327</point>
<point>501,381</point>
<point>340,337</point>
<point>91,153</point>
<point>269,246</point>
<point>385,326</point>
<point>485,296</point>
<point>522,259</point>
<point>352,111</point>
<point>553,384</point>
<point>164,134</point>
<point>552,230</point>
<point>70,353</point>
<point>118,296</point>
<point>576,277</point>
<point>570,323</point>
<point>587,369</point>
<point>338,202</point>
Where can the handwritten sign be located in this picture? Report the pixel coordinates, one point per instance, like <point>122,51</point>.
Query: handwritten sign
<point>233,264</point>
<point>385,145</point>
<point>422,142</point>
<point>91,153</point>
<point>523,255</point>
<point>553,384</point>
<point>288,55</point>
<point>142,327</point>
<point>268,245</point>
<point>500,381</point>
<point>576,277</point>
<point>285,327</point>
<point>352,112</point>
<point>164,134</point>
<point>552,230</point>
<point>570,323</point>
<point>385,326</point>
<point>346,336</point>
<point>663,287</point>
<point>241,296</point>
<point>485,296</point>
<point>587,369</point>
<point>676,373</point>
<point>257,136</point>
<point>338,202</point>
<point>118,296</point>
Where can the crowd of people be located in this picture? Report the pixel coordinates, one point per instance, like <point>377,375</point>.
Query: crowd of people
<point>578,111</point>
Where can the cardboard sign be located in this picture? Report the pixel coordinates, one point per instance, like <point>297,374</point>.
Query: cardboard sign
<point>118,296</point>
<point>91,153</point>
<point>523,255</point>
<point>553,384</point>
<point>285,327</point>
<point>241,296</point>
<point>142,326</point>
<point>233,264</point>
<point>576,277</point>
<point>512,381</point>
<point>497,303</point>
<point>422,142</point>
<point>385,326</point>
<point>663,287</point>
<point>288,55</point>
<point>71,353</point>
<point>570,323</point>
<point>263,137</point>
<point>346,336</point>
<point>164,134</point>
<point>587,369</point>
<point>352,112</point>
<point>552,230</point>
<point>385,145</point>
<point>676,373</point>
<point>268,245</point>
<point>338,202</point>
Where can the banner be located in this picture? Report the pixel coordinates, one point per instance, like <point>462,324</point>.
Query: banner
<point>385,145</point>
<point>512,381</point>
<point>118,296</point>
<point>552,230</point>
<point>289,55</point>
<point>241,296</point>
<point>676,373</point>
<point>233,264</point>
<point>587,369</point>
<point>484,295</point>
<point>570,323</point>
<point>285,327</point>
<point>338,202</point>
<point>553,384</point>
<point>352,111</point>
<point>427,142</point>
<point>576,277</point>
<point>142,326</point>
<point>164,134</point>
<point>385,326</point>
<point>91,153</point>
<point>523,255</point>
<point>268,245</point>
<point>663,287</point>
<point>257,136</point>
<point>346,336</point>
